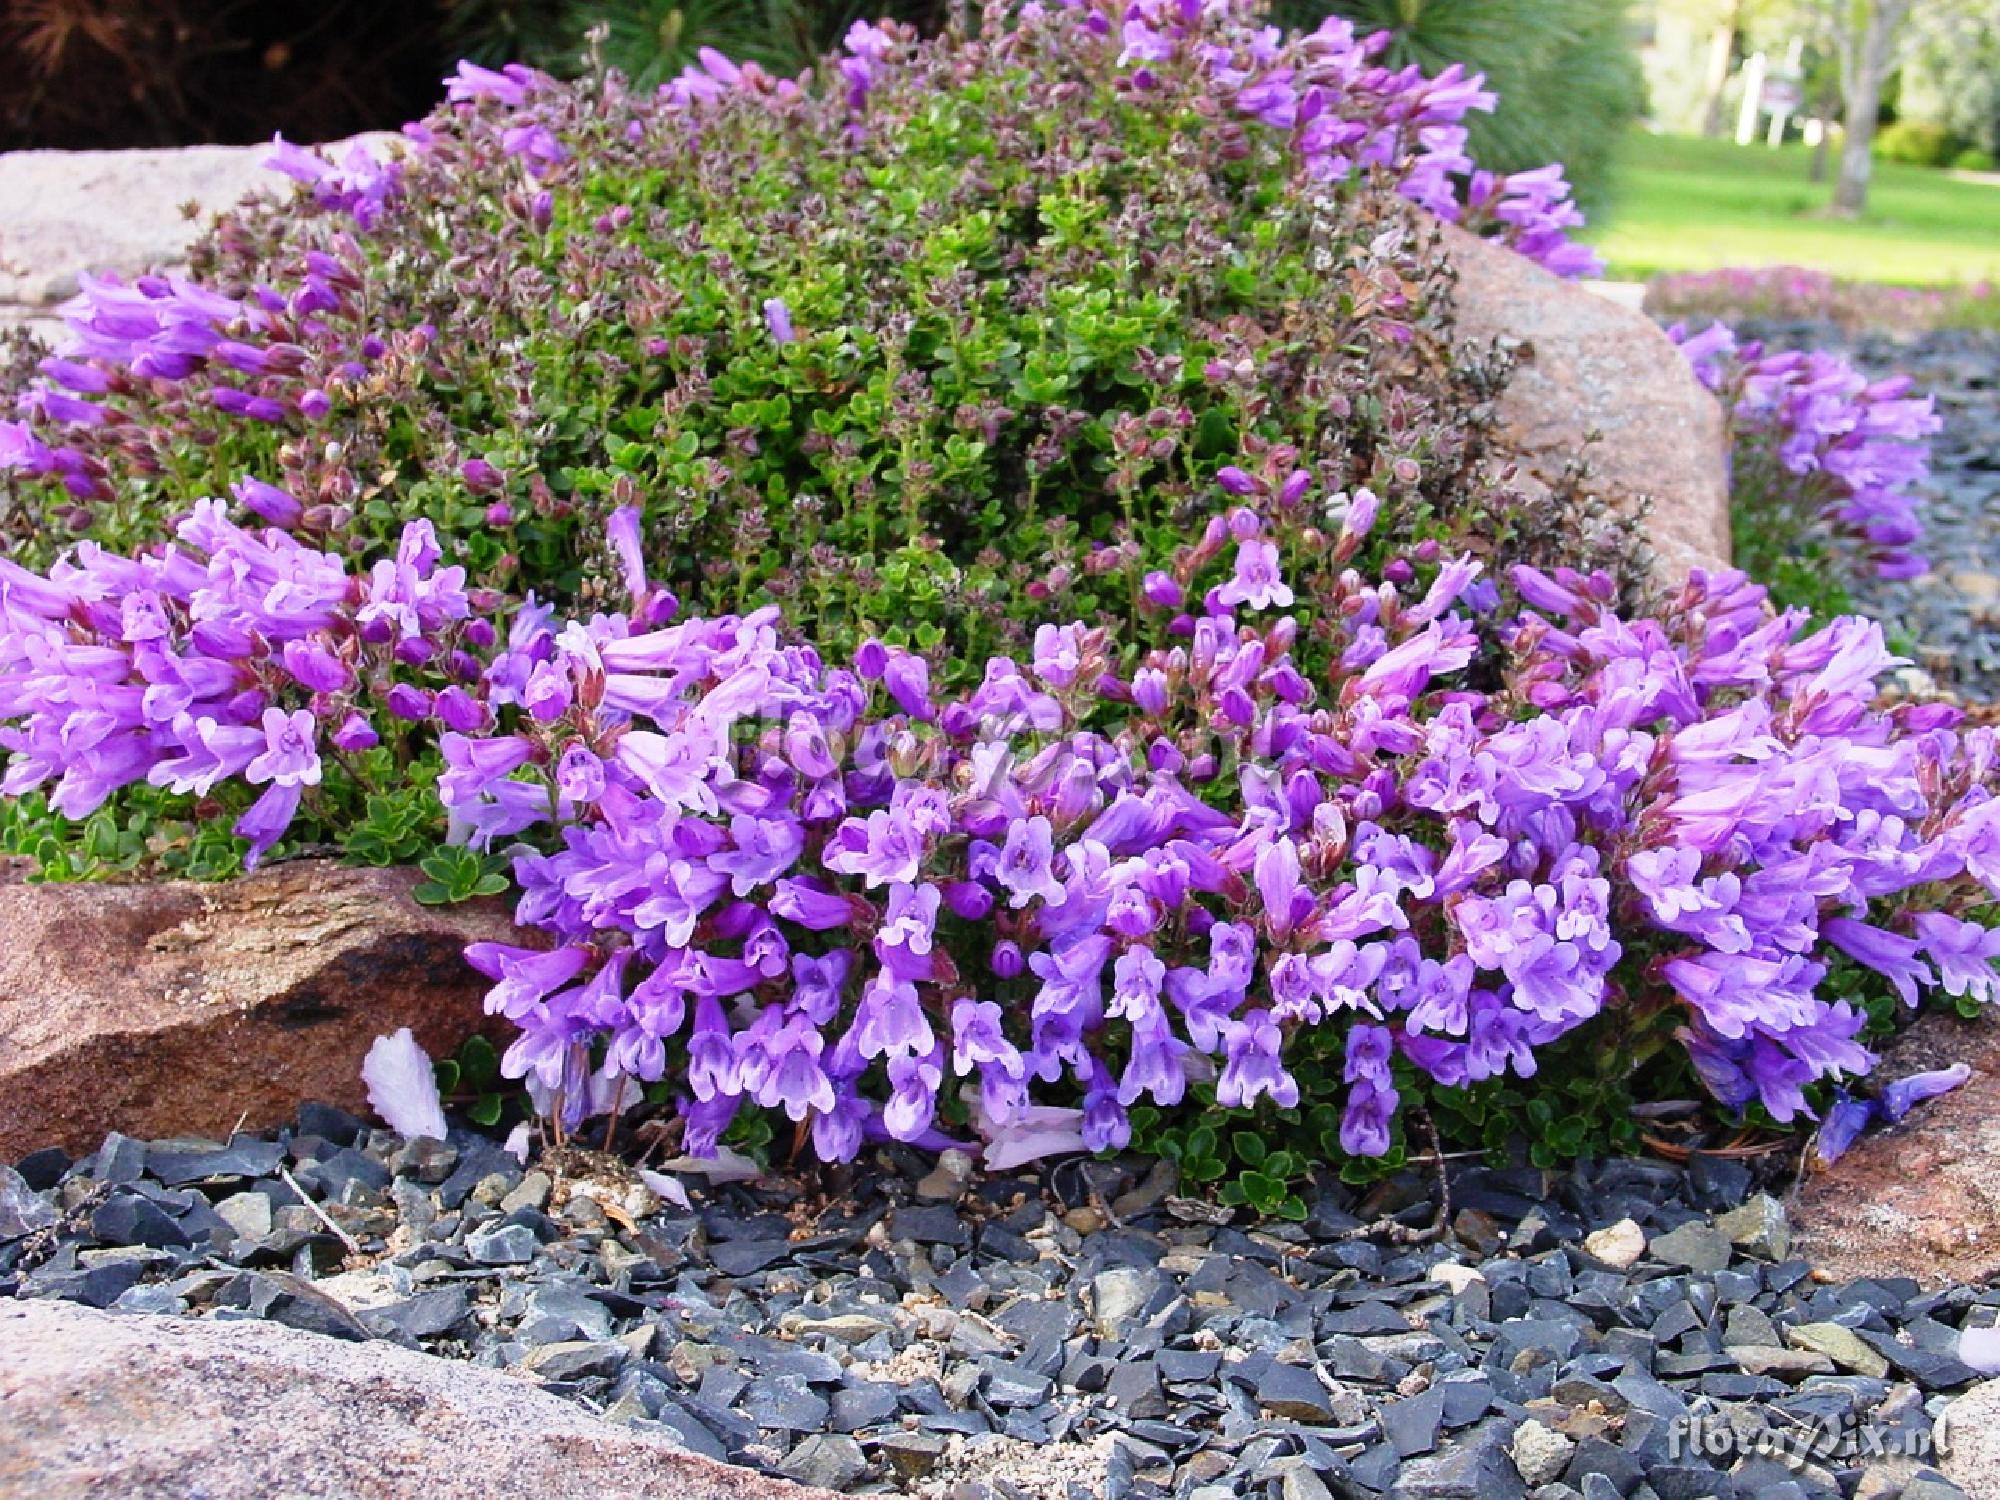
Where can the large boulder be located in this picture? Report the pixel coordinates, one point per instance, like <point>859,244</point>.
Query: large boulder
<point>142,1407</point>
<point>172,1008</point>
<point>1597,381</point>
<point>1919,1199</point>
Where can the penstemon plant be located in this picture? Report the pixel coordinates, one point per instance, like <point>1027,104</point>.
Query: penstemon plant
<point>1120,871</point>
<point>961,619</point>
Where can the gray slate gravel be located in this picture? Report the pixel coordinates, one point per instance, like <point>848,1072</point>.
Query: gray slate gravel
<point>1016,1343</point>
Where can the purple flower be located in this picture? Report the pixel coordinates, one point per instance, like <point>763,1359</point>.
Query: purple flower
<point>913,1086</point>
<point>884,849</point>
<point>268,501</point>
<point>764,849</point>
<point>1026,866</point>
<point>890,1020</point>
<point>778,321</point>
<point>1895,958</point>
<point>1842,1127</point>
<point>817,983</point>
<point>712,1068</point>
<point>908,679</point>
<point>811,905</point>
<point>580,774</point>
<point>355,734</point>
<point>523,977</point>
<point>1256,581</point>
<point>290,757</point>
<point>1252,1068</point>
<point>268,818</point>
<point>472,766</point>
<point>1964,954</point>
<point>1905,1093</point>
<point>783,1069</point>
<point>1364,1124</point>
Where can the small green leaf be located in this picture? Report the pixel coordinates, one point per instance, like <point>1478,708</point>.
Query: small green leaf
<point>478,1062</point>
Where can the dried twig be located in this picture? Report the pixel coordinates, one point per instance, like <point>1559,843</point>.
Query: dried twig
<point>353,1245</point>
<point>1388,1227</point>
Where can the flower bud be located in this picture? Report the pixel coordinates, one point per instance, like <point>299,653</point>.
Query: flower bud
<point>410,703</point>
<point>1007,962</point>
<point>355,733</point>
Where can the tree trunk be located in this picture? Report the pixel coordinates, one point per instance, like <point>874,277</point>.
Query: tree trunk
<point>1721,52</point>
<point>1824,114</point>
<point>1864,105</point>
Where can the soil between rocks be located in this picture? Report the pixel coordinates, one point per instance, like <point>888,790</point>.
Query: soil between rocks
<point>1628,1329</point>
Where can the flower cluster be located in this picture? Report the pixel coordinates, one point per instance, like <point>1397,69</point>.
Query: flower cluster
<point>1848,451</point>
<point>1104,873</point>
<point>237,655</point>
<point>1735,294</point>
<point>1084,697</point>
<point>1127,878</point>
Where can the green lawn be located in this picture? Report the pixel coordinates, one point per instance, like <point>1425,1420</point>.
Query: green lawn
<point>1684,204</point>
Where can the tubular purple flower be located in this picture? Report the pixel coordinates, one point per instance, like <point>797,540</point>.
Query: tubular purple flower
<point>1842,1127</point>
<point>471,766</point>
<point>908,679</point>
<point>1256,581</point>
<point>268,502</point>
<point>355,734</point>
<point>268,818</point>
<point>1900,1097</point>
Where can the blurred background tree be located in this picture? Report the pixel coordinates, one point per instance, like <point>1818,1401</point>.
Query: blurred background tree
<point>1952,79</point>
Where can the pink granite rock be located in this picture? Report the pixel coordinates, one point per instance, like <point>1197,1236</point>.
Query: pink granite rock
<point>168,1008</point>
<point>1921,1199</point>
<point>155,1408</point>
<point>1600,382</point>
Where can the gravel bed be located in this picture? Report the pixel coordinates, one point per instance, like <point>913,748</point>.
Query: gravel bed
<point>1632,1329</point>
<point>1952,612</point>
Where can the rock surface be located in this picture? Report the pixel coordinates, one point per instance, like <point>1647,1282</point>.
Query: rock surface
<point>1590,366</point>
<point>62,212</point>
<point>133,1405</point>
<point>1970,1438</point>
<point>1921,1199</point>
<point>177,1008</point>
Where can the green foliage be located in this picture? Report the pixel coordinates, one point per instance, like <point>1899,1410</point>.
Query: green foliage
<point>1975,159</point>
<point>1778,547</point>
<point>144,830</point>
<point>455,873</point>
<point>1579,1103</point>
<point>470,1081</point>
<point>1566,72</point>
<point>1025,343</point>
<point>1917,143</point>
